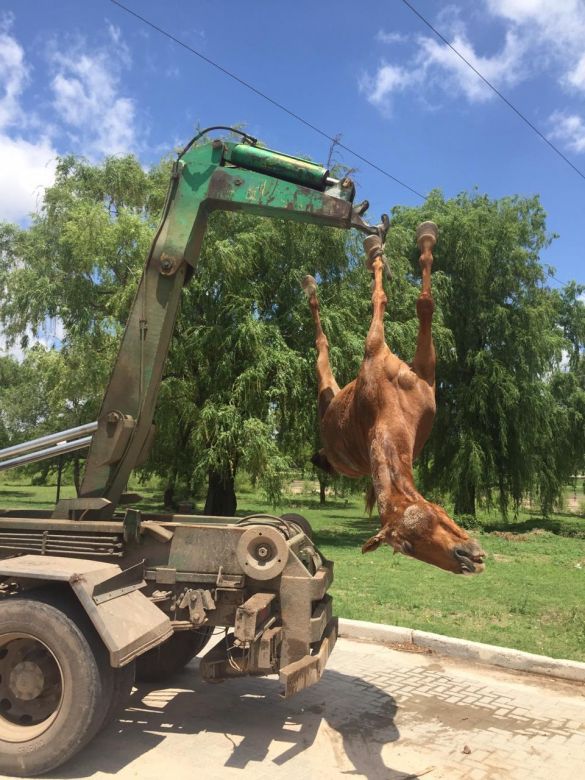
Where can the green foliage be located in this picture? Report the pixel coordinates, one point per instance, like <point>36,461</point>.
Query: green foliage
<point>9,371</point>
<point>239,386</point>
<point>496,429</point>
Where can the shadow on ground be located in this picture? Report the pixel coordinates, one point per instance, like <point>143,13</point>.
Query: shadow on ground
<point>355,719</point>
<point>20,494</point>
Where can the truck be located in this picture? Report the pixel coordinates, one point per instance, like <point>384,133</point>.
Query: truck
<point>97,593</point>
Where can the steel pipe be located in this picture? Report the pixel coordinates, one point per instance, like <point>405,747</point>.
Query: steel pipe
<point>52,438</point>
<point>49,452</point>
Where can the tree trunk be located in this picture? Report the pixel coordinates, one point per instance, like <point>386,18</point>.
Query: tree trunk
<point>169,494</point>
<point>221,495</point>
<point>76,475</point>
<point>465,500</point>
<point>322,489</point>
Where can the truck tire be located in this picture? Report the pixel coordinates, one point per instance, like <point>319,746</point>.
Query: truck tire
<point>53,683</point>
<point>122,683</point>
<point>161,662</point>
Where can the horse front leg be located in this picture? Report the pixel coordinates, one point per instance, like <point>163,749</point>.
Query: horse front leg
<point>327,387</point>
<point>424,358</point>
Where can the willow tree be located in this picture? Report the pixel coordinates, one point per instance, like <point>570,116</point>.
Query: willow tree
<point>9,375</point>
<point>564,452</point>
<point>495,408</point>
<point>239,388</point>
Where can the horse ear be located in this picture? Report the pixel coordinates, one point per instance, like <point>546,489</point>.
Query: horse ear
<point>373,543</point>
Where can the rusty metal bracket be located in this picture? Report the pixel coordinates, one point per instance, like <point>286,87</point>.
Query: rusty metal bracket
<point>124,582</point>
<point>308,670</point>
<point>132,523</point>
<point>229,580</point>
<point>381,229</point>
<point>76,508</point>
<point>198,602</point>
<point>252,615</point>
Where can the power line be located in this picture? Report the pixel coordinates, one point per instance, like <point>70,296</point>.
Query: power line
<point>563,284</point>
<point>266,97</point>
<point>494,89</point>
<point>335,139</point>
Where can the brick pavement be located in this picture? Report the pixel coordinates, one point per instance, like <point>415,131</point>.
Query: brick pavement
<point>378,713</point>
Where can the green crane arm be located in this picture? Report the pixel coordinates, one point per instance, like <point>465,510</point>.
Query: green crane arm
<point>214,175</point>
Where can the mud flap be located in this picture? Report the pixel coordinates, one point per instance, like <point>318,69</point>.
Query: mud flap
<point>126,620</point>
<point>308,670</point>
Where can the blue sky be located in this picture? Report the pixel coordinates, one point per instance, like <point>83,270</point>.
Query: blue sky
<point>84,77</point>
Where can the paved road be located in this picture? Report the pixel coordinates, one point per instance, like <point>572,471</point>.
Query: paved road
<point>378,713</point>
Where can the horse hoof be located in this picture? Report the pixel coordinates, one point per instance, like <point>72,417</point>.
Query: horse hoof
<point>428,231</point>
<point>309,286</point>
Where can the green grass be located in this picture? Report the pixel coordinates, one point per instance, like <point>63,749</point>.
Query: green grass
<point>531,596</point>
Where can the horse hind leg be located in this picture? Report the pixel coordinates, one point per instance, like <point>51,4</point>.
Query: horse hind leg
<point>376,262</point>
<point>424,357</point>
<point>327,387</point>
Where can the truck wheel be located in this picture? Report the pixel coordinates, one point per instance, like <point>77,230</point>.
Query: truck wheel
<point>51,685</point>
<point>123,680</point>
<point>161,662</point>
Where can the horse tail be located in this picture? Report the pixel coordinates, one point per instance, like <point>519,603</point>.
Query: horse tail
<point>370,499</point>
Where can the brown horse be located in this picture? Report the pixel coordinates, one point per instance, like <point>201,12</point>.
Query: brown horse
<point>378,424</point>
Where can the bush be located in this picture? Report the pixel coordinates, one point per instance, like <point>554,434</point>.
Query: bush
<point>469,522</point>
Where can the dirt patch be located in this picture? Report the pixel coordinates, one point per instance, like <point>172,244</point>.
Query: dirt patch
<point>408,647</point>
<point>510,537</point>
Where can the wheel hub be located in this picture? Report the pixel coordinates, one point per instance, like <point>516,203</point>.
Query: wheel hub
<point>31,687</point>
<point>26,680</point>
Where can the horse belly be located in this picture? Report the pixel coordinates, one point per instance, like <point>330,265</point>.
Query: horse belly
<point>342,437</point>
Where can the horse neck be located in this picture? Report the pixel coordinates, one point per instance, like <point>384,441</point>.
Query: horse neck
<point>392,475</point>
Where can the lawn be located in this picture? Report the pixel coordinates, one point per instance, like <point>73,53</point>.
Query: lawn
<point>531,596</point>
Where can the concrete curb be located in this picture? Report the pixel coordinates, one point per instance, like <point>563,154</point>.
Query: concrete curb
<point>478,652</point>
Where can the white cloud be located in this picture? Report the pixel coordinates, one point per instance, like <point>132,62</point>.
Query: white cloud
<point>387,80</point>
<point>568,128</point>
<point>501,69</point>
<point>26,167</point>
<point>390,37</point>
<point>539,38</point>
<point>13,77</point>
<point>563,21</point>
<point>25,170</point>
<point>436,66</point>
<point>576,76</point>
<point>554,30</point>
<point>87,99</point>
<point>89,109</point>
<point>49,336</point>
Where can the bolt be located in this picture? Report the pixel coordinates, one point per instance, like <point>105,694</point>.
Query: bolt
<point>166,265</point>
<point>262,551</point>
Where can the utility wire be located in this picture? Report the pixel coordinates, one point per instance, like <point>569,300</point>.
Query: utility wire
<point>563,284</point>
<point>335,140</point>
<point>494,89</point>
<point>267,97</point>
